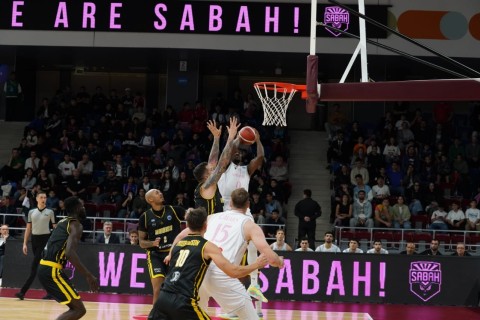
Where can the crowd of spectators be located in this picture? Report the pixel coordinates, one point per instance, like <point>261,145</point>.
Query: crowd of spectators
<point>110,149</point>
<point>409,167</point>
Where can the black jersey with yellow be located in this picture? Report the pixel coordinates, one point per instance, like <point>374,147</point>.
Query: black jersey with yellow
<point>50,271</point>
<point>56,246</point>
<point>187,267</point>
<point>164,224</point>
<point>212,205</point>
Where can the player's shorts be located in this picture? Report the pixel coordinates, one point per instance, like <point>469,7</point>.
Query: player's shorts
<point>56,283</point>
<point>173,306</point>
<point>156,266</point>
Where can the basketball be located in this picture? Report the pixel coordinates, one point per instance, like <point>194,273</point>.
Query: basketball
<point>247,135</point>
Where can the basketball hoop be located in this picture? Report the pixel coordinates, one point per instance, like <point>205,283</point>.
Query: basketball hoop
<point>275,97</point>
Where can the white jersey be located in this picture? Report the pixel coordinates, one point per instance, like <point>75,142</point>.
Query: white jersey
<point>225,229</point>
<point>234,177</point>
<point>323,248</point>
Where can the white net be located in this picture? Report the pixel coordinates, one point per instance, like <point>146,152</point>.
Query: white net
<point>275,98</point>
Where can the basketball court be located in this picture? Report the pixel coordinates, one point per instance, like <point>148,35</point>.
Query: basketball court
<point>130,307</point>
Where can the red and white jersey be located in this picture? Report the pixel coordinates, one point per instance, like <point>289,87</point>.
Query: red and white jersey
<point>225,229</point>
<point>234,177</point>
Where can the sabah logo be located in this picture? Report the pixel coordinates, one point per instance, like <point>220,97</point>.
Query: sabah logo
<point>336,17</point>
<point>425,279</point>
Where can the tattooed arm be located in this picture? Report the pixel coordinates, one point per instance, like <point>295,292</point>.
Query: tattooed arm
<point>210,185</point>
<point>214,152</point>
<point>257,162</point>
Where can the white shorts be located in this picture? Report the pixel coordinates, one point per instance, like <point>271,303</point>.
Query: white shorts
<point>229,293</point>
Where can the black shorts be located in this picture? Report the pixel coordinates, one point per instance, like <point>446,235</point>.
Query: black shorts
<point>156,266</point>
<point>173,306</point>
<point>57,284</point>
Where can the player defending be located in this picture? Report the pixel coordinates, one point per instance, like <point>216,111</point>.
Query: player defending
<point>232,230</point>
<point>208,173</point>
<point>61,246</point>
<point>238,176</point>
<point>191,257</point>
<point>157,228</point>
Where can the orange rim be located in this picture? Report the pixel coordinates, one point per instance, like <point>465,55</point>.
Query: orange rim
<point>280,86</point>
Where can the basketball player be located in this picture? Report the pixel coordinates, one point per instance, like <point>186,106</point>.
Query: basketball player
<point>238,176</point>
<point>62,245</point>
<point>207,194</point>
<point>157,229</point>
<point>191,257</point>
<point>231,231</point>
<point>38,226</point>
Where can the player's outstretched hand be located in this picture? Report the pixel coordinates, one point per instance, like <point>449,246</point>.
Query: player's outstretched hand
<point>262,261</point>
<point>212,126</point>
<point>167,259</point>
<point>233,128</point>
<point>92,282</point>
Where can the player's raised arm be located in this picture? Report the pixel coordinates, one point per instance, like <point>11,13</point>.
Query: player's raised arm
<point>257,162</point>
<point>254,233</point>
<point>215,151</point>
<point>213,252</point>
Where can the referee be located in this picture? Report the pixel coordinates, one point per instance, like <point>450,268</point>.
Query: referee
<point>38,225</point>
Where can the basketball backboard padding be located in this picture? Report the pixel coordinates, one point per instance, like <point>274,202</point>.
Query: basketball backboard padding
<point>417,90</point>
<point>312,81</point>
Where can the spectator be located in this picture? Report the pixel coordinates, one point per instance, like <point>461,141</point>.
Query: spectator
<point>444,169</point>
<point>353,247</point>
<point>304,246</point>
<point>271,205</point>
<point>257,208</point>
<point>279,169</point>
<point>336,121</point>
<point>456,218</point>
<point>108,237</point>
<point>361,186</point>
<point>383,214</point>
<point>343,212</point>
<point>380,191</point>
<point>414,196</point>
<point>52,201</point>
<point>76,186</point>
<point>273,223</point>
<point>401,214</point>
<point>7,207</point>
<point>280,244</point>
<point>133,238</point>
<point>146,184</point>
<point>134,170</point>
<point>438,219</point>
<point>395,176</point>
<point>44,182</point>
<point>33,162</point>
<point>130,186</point>
<point>125,209</point>
<point>181,201</point>
<point>391,152</point>
<point>473,217</point>
<point>433,250</point>
<point>4,236</point>
<point>86,167</point>
<point>139,204</point>
<point>307,211</point>
<point>460,250</point>
<point>362,212</point>
<point>66,167</point>
<point>338,151</point>
<point>328,246</point>
<point>410,249</point>
<point>359,169</point>
<point>377,248</point>
<point>28,181</point>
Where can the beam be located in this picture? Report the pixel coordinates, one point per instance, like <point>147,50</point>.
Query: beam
<point>418,90</point>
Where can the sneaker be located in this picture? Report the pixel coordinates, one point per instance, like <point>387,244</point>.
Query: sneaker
<point>255,292</point>
<point>229,316</point>
<point>20,295</point>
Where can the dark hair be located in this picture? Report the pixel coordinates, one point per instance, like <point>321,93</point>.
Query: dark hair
<point>199,171</point>
<point>358,176</point>
<point>308,193</point>
<point>276,211</point>
<point>329,232</point>
<point>196,218</point>
<point>240,198</point>
<point>358,243</point>
<point>304,239</point>
<point>72,204</point>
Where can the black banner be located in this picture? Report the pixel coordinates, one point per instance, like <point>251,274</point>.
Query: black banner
<point>309,276</point>
<point>174,16</point>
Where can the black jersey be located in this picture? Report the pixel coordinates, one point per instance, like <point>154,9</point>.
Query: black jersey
<point>212,205</point>
<point>164,224</point>
<point>187,267</point>
<point>57,243</point>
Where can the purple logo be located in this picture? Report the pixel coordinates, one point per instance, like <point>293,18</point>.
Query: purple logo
<point>69,270</point>
<point>425,279</point>
<point>336,17</point>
